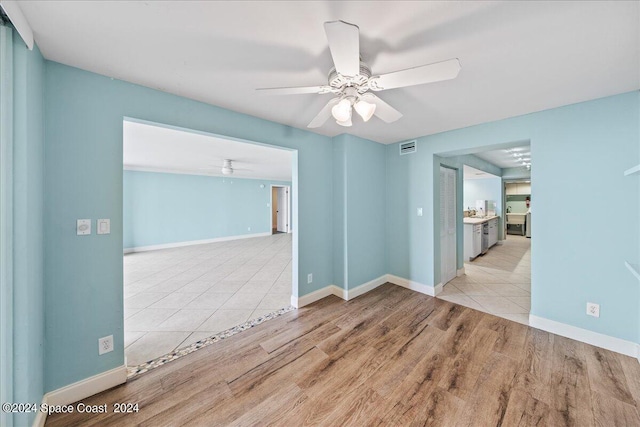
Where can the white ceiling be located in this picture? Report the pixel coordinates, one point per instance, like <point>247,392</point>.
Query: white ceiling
<point>473,173</point>
<point>160,149</point>
<point>517,57</point>
<point>508,158</point>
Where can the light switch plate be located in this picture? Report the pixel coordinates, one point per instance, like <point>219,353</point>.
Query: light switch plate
<point>419,211</point>
<point>103,226</point>
<point>83,227</point>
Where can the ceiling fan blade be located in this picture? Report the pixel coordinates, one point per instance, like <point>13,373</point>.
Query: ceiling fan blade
<point>439,71</point>
<point>323,115</point>
<point>344,44</point>
<point>383,110</point>
<point>294,90</point>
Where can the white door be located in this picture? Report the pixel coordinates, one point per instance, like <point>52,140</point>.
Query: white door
<point>447,224</point>
<point>283,210</point>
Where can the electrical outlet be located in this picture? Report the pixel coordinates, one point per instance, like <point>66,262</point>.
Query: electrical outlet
<point>248,228</point>
<point>310,278</point>
<point>419,211</point>
<point>593,309</point>
<point>105,345</point>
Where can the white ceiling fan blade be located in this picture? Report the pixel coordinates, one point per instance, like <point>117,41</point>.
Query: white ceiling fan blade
<point>294,90</point>
<point>323,115</point>
<point>439,71</point>
<point>383,110</point>
<point>344,44</point>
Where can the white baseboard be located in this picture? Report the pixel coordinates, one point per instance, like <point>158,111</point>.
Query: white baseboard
<point>415,286</point>
<point>314,296</point>
<point>81,390</point>
<point>345,294</point>
<point>364,288</point>
<point>583,335</point>
<point>460,272</point>
<point>193,242</point>
<point>40,419</point>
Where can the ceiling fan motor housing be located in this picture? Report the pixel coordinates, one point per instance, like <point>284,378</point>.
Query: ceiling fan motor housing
<point>339,82</point>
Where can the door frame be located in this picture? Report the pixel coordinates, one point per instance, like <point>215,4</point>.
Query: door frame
<point>288,201</point>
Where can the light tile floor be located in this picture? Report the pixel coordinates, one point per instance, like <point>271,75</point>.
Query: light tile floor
<point>499,282</point>
<point>175,297</point>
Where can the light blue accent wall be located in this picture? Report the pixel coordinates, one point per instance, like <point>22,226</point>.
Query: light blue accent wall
<point>160,208</point>
<point>365,215</point>
<point>28,232</point>
<point>482,189</point>
<point>580,149</point>
<point>340,248</point>
<point>359,210</point>
<point>84,179</point>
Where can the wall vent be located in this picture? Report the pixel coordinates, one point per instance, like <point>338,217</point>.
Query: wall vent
<point>408,147</point>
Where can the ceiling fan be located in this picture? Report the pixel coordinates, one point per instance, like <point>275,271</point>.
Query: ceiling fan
<point>227,167</point>
<point>351,80</point>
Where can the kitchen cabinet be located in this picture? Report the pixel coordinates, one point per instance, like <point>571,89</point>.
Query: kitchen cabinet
<point>472,241</point>
<point>493,231</point>
<point>518,189</point>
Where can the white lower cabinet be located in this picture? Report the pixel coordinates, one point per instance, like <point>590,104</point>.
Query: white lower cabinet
<point>472,241</point>
<point>493,232</point>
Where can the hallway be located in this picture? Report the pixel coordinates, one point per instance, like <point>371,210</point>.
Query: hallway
<point>498,282</point>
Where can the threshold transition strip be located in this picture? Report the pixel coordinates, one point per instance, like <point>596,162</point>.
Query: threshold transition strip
<point>132,371</point>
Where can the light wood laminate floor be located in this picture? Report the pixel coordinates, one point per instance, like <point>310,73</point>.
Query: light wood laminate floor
<point>390,357</point>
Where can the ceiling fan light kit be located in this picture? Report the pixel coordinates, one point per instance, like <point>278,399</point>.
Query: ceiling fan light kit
<point>346,123</point>
<point>351,79</point>
<point>364,109</point>
<point>342,111</point>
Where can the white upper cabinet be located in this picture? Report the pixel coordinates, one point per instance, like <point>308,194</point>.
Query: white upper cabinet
<point>518,188</point>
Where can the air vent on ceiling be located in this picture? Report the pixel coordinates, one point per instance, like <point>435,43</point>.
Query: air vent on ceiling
<point>408,147</point>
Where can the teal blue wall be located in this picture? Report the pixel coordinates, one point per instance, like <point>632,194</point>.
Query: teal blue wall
<point>83,179</point>
<point>482,189</point>
<point>359,194</point>
<point>340,244</point>
<point>582,150</point>
<point>365,213</point>
<point>28,258</point>
<point>160,208</point>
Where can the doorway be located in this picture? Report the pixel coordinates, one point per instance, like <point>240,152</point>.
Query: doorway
<point>448,194</point>
<point>200,260</point>
<point>280,212</point>
<point>496,275</point>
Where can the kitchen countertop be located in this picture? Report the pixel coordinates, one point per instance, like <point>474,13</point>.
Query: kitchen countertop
<point>478,220</point>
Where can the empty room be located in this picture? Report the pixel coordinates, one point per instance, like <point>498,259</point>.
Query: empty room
<point>319,213</point>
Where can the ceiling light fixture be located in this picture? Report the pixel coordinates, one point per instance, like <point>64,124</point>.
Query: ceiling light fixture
<point>364,109</point>
<point>342,111</point>
<point>346,123</point>
<point>227,169</point>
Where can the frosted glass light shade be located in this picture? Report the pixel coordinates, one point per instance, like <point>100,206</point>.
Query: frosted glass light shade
<point>342,111</point>
<point>346,123</point>
<point>365,109</point>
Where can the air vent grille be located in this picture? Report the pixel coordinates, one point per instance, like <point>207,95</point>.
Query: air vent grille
<point>408,147</point>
